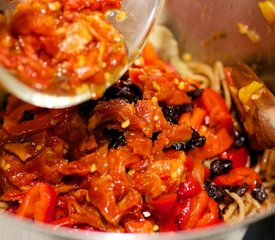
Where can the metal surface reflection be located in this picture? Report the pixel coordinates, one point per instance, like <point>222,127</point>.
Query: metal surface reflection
<point>211,30</point>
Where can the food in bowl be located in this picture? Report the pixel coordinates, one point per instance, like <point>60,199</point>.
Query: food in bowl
<point>62,46</point>
<point>158,152</point>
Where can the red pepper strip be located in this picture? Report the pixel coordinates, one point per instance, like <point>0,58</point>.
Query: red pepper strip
<point>197,207</point>
<point>215,105</point>
<point>239,156</point>
<point>197,118</point>
<point>184,212</point>
<point>215,144</point>
<point>189,188</point>
<point>150,58</point>
<point>194,119</point>
<point>164,203</point>
<point>179,214</point>
<point>38,203</point>
<point>198,172</point>
<point>212,217</point>
<point>189,163</point>
<point>239,176</point>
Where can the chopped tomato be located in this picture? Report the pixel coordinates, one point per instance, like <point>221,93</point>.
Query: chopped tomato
<point>239,156</point>
<point>38,203</point>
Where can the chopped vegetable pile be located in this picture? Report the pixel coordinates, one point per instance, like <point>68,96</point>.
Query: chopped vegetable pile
<point>62,46</point>
<point>132,161</point>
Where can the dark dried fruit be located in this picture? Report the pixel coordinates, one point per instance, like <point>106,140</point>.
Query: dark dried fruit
<point>125,77</point>
<point>4,103</point>
<point>117,138</point>
<point>84,109</point>
<point>220,216</point>
<point>28,115</point>
<point>259,193</point>
<point>240,190</point>
<point>219,167</point>
<point>217,192</point>
<point>1,117</point>
<point>155,136</point>
<point>195,93</point>
<point>239,139</point>
<point>172,113</point>
<point>124,89</point>
<point>195,142</point>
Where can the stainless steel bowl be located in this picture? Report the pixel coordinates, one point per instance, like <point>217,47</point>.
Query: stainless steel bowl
<point>209,31</point>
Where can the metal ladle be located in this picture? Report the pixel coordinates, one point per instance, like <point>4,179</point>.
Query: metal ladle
<point>142,15</point>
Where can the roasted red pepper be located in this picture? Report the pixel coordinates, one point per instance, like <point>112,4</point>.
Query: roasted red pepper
<point>197,211</point>
<point>239,176</point>
<point>212,217</point>
<point>38,203</point>
<point>164,203</point>
<point>198,205</point>
<point>215,144</point>
<point>150,58</point>
<point>189,188</point>
<point>195,118</point>
<point>239,156</point>
<point>215,105</point>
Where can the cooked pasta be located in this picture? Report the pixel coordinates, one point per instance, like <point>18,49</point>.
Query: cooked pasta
<point>214,77</point>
